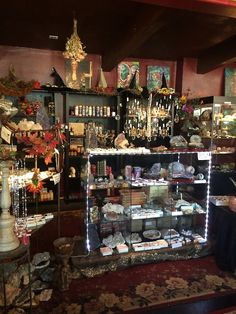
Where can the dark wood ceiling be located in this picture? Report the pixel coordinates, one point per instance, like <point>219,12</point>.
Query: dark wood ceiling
<point>117,29</point>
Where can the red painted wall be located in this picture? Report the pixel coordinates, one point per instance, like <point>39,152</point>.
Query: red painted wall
<point>209,84</point>
<point>36,64</point>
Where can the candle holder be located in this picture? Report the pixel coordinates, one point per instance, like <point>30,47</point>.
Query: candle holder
<point>63,250</point>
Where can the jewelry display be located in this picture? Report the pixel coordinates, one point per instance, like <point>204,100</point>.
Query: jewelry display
<point>18,188</point>
<point>148,119</point>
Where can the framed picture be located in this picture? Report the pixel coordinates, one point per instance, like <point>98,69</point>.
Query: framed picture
<point>230,81</point>
<point>154,76</point>
<point>79,76</point>
<point>126,71</point>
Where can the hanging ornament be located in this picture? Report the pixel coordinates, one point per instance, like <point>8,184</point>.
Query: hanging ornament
<point>74,51</point>
<point>36,185</point>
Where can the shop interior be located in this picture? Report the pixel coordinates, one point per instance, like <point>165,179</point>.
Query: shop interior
<point>117,151</point>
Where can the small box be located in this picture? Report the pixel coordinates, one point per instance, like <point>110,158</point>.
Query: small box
<point>105,251</point>
<point>77,128</point>
<point>122,248</point>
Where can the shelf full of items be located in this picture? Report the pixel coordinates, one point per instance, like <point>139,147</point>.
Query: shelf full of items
<point>30,156</point>
<point>216,116</point>
<point>93,121</point>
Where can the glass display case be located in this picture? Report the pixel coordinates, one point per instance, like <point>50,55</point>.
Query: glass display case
<point>217,119</point>
<point>217,122</point>
<point>138,200</point>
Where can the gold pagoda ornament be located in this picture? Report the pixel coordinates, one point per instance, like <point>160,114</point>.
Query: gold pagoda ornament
<point>74,51</point>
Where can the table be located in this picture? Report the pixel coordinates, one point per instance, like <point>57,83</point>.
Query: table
<point>225,238</point>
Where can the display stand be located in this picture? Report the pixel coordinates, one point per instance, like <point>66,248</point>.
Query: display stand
<point>8,239</point>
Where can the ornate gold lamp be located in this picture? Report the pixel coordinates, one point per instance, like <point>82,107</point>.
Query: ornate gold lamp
<point>74,51</point>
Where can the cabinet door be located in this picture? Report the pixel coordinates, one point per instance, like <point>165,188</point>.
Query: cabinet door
<point>139,202</point>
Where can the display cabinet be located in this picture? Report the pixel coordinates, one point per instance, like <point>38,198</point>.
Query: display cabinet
<point>217,127</point>
<point>93,120</point>
<point>38,114</point>
<point>217,120</point>
<point>138,200</point>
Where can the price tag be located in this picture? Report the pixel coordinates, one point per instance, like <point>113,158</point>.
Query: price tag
<point>6,134</point>
<point>204,155</point>
<point>56,178</point>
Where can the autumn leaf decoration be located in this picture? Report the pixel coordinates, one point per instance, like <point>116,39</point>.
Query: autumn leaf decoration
<point>40,144</point>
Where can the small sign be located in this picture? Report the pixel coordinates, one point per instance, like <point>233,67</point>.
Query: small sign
<point>204,155</point>
<point>6,134</point>
<point>56,178</point>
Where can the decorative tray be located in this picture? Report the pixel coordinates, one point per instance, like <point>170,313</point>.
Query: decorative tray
<point>152,234</point>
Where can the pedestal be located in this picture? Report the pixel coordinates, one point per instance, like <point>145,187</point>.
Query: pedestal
<point>8,239</point>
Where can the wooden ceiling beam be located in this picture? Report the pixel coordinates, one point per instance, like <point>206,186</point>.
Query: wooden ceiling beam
<point>215,7</point>
<point>219,55</point>
<point>146,23</point>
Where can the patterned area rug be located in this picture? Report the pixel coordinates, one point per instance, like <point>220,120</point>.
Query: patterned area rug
<point>143,287</point>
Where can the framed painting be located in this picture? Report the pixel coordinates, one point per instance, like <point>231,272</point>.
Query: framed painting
<point>126,71</point>
<point>154,76</point>
<point>79,76</point>
<point>230,81</point>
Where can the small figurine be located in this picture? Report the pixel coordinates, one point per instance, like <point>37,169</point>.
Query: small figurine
<point>121,141</point>
<point>72,173</point>
<point>58,81</point>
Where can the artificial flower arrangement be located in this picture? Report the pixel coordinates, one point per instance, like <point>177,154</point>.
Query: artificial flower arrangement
<point>11,85</point>
<point>39,144</point>
<point>185,106</point>
<point>190,124</point>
